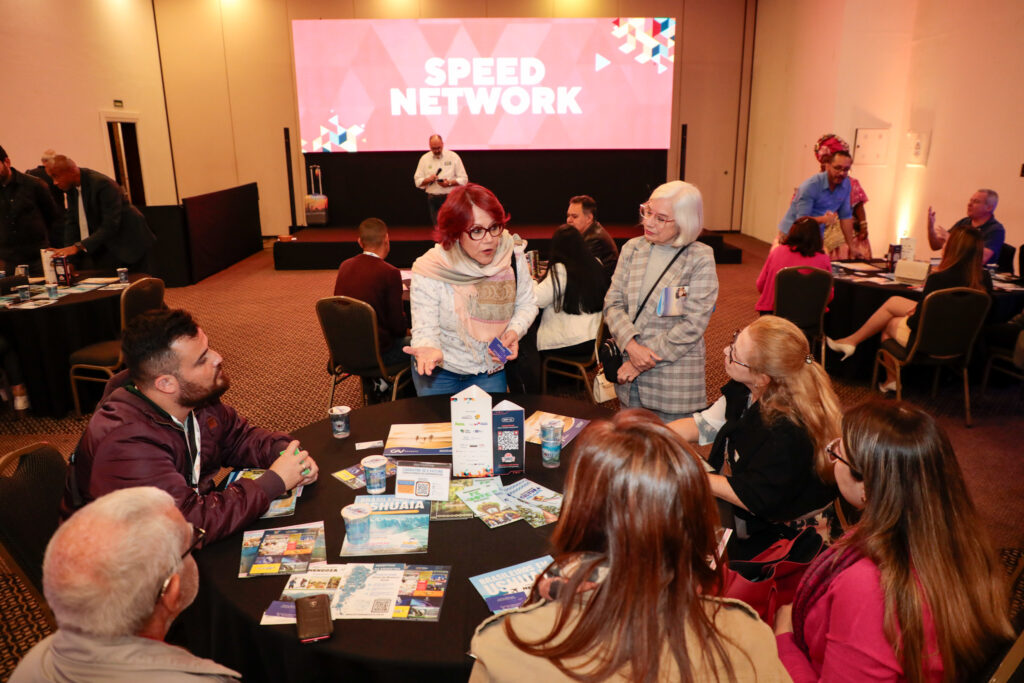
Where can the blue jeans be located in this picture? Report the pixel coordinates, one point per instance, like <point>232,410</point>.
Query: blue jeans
<point>442,382</point>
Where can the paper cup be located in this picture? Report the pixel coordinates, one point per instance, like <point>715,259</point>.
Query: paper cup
<point>51,291</point>
<point>375,470</point>
<point>341,426</point>
<point>551,443</point>
<point>357,523</point>
<point>24,293</point>
<point>122,274</point>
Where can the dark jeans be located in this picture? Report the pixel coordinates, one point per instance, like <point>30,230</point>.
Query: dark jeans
<point>434,203</point>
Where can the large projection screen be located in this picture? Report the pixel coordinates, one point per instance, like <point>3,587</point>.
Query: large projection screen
<point>484,84</point>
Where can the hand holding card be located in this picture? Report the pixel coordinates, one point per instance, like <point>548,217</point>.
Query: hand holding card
<point>499,351</point>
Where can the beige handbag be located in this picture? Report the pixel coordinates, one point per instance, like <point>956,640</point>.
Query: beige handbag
<point>603,389</point>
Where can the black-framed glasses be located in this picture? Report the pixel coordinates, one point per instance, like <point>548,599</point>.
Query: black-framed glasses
<point>731,346</point>
<point>198,534</point>
<point>647,212</point>
<point>477,232</point>
<point>833,453</point>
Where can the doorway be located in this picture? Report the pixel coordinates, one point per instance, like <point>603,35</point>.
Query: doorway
<point>124,151</point>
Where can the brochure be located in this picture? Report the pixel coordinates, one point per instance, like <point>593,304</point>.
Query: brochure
<point>472,454</point>
<point>422,480</point>
<point>508,588</point>
<point>533,515</point>
<point>366,591</point>
<point>490,506</point>
<point>431,439</point>
<point>397,526</point>
<point>571,426</point>
<point>671,302</point>
<point>279,507</point>
<point>284,551</point>
<point>453,508</point>
<point>251,541</point>
<point>354,478</point>
<point>537,495</point>
<point>509,442</point>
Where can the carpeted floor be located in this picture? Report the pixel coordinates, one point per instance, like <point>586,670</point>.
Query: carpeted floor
<point>263,322</point>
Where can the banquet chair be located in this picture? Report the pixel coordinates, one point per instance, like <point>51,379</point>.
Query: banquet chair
<point>576,367</point>
<point>938,342</point>
<point>801,297</point>
<point>1004,262</point>
<point>100,361</point>
<point>1001,360</point>
<point>350,330</point>
<point>31,497</point>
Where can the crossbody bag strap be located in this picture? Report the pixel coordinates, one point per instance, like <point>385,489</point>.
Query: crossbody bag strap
<point>656,282</point>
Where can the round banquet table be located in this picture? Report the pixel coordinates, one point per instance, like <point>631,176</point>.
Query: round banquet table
<point>223,622</point>
<point>855,300</point>
<point>45,338</point>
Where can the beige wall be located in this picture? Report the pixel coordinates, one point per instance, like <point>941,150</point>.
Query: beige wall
<point>936,68</point>
<point>231,89</point>
<point>64,63</point>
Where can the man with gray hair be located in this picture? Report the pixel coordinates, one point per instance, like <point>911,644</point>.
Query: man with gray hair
<point>116,575</point>
<point>981,209</point>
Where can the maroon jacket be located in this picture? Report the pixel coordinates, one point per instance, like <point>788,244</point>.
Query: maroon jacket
<point>379,284</point>
<point>132,442</point>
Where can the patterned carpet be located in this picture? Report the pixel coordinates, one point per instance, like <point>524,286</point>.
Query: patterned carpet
<point>263,322</point>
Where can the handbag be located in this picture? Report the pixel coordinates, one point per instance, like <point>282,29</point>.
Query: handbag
<point>603,389</point>
<point>609,352</point>
<point>770,579</point>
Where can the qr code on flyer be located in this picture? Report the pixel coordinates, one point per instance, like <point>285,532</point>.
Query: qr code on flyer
<point>508,440</point>
<point>381,606</point>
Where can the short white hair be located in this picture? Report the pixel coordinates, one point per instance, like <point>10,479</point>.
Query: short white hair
<point>991,198</point>
<point>104,568</point>
<point>687,209</point>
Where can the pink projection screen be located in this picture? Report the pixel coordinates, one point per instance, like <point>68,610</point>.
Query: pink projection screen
<point>387,85</point>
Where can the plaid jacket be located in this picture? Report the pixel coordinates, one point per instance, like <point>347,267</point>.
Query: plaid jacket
<point>676,383</point>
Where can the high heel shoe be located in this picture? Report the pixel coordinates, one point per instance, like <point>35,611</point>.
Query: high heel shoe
<point>845,349</point>
<point>887,388</point>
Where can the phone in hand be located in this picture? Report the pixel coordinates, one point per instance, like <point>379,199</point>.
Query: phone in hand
<point>313,618</point>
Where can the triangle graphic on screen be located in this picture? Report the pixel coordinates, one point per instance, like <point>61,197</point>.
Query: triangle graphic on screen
<point>600,62</point>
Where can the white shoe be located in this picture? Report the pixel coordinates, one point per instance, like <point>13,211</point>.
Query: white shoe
<point>887,388</point>
<point>845,349</point>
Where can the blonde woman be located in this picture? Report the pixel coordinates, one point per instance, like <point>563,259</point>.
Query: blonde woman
<point>769,430</point>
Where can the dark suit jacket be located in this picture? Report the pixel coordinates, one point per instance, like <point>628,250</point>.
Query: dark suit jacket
<point>602,247</point>
<point>379,284</point>
<point>118,234</point>
<point>24,220</point>
<point>56,228</point>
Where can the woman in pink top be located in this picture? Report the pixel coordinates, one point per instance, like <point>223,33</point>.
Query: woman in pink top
<point>868,611</point>
<point>802,247</point>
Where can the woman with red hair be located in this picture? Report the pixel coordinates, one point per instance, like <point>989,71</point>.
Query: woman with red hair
<point>467,291</point>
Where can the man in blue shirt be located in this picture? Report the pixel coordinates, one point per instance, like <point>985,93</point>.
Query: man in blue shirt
<point>825,197</point>
<point>981,209</point>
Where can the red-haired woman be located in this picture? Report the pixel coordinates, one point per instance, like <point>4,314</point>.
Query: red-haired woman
<point>468,290</point>
<point>630,593</point>
<point>912,592</point>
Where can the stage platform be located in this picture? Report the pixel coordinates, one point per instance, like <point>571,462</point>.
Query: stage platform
<point>323,248</point>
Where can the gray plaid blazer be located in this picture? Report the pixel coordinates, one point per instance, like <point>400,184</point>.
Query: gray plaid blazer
<point>676,383</point>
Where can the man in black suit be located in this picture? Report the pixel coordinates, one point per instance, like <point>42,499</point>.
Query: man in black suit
<point>26,213</point>
<point>42,171</point>
<point>114,233</point>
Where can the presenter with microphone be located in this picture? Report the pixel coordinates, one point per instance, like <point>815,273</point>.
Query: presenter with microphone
<point>438,172</point>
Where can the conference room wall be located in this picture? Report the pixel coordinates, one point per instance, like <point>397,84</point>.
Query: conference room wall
<point>230,85</point>
<point>66,62</point>
<point>902,65</point>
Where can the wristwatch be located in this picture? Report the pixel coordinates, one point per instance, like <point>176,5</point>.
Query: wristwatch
<point>81,247</point>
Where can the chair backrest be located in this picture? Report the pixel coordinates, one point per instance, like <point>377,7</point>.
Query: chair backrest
<point>950,321</point>
<point>141,296</point>
<point>350,330</point>
<point>1004,262</point>
<point>801,294</point>
<point>29,502</point>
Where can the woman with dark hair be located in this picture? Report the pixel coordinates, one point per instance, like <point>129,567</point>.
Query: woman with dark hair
<point>571,295</point>
<point>467,291</point>
<point>912,592</point>
<point>630,593</point>
<point>800,247</point>
<point>771,426</point>
<point>961,266</point>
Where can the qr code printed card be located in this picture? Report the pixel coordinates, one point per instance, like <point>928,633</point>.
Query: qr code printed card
<point>423,480</point>
<point>509,439</point>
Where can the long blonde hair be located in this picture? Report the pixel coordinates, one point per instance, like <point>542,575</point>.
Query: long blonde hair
<point>798,389</point>
<point>921,528</point>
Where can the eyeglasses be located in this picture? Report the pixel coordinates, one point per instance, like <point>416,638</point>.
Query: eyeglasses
<point>477,232</point>
<point>647,212</point>
<point>732,359</point>
<point>198,534</point>
<point>832,450</point>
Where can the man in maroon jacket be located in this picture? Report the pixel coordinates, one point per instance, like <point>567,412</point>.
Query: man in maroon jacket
<point>369,278</point>
<point>161,423</point>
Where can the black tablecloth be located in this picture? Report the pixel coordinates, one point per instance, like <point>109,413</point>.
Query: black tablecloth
<point>44,339</point>
<point>854,302</point>
<point>223,623</point>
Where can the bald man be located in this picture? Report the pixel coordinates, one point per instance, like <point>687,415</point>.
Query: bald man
<point>438,172</point>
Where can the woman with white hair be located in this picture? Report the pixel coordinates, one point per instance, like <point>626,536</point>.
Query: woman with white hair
<point>662,294</point>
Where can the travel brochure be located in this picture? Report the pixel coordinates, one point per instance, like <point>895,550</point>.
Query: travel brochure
<point>397,526</point>
<point>453,508</point>
<point>366,591</point>
<point>508,588</point>
<point>285,550</point>
<point>279,507</point>
<point>431,439</point>
<point>571,426</point>
<point>497,505</point>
